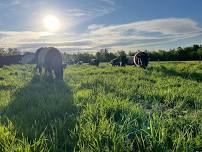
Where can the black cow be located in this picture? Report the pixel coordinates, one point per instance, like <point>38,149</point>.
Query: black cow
<point>141,59</point>
<point>8,60</point>
<point>94,62</point>
<point>79,62</point>
<point>116,62</point>
<point>51,59</point>
<point>119,61</point>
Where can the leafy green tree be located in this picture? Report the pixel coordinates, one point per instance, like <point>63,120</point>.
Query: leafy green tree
<point>2,52</point>
<point>9,51</point>
<point>122,56</point>
<point>199,53</point>
<point>104,55</point>
<point>13,51</point>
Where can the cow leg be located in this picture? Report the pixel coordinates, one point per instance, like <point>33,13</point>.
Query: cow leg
<point>40,70</point>
<point>46,71</point>
<point>35,69</point>
<point>58,73</point>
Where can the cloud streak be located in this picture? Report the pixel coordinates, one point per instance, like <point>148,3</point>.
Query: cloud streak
<point>110,2</point>
<point>88,13</point>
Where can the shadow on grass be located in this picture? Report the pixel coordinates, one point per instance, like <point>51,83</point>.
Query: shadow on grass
<point>5,88</point>
<point>44,107</point>
<point>185,75</point>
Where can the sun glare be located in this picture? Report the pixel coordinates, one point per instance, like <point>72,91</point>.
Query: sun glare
<point>51,23</point>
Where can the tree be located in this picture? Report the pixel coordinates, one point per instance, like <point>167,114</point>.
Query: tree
<point>130,53</point>
<point>104,55</point>
<point>122,56</point>
<point>13,51</point>
<point>2,52</point>
<point>199,53</point>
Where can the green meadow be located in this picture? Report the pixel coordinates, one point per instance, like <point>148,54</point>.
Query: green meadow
<point>105,108</point>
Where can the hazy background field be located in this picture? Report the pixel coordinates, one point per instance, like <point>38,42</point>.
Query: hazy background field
<point>102,108</point>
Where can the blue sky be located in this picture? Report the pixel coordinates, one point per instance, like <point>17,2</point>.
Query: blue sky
<point>89,25</point>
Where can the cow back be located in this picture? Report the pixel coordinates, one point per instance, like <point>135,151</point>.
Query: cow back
<point>42,56</point>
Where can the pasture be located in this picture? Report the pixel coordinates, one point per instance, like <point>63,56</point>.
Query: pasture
<point>102,108</point>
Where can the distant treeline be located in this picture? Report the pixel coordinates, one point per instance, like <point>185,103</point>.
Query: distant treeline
<point>179,54</point>
<point>9,51</point>
<point>103,56</point>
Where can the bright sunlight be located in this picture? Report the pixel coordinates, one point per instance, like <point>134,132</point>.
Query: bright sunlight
<point>51,23</point>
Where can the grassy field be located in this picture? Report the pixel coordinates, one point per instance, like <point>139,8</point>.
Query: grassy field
<point>102,109</point>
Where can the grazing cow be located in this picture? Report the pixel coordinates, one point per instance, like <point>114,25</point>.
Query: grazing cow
<point>79,62</point>
<point>8,60</point>
<point>116,62</point>
<point>51,59</point>
<point>94,62</point>
<point>141,59</point>
<point>120,61</point>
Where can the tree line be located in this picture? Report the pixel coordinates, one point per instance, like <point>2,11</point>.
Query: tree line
<point>9,51</point>
<point>179,54</point>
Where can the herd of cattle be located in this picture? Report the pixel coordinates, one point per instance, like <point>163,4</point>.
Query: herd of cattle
<point>140,59</point>
<point>51,59</point>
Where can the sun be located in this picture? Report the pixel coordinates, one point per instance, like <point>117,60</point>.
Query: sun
<point>51,23</point>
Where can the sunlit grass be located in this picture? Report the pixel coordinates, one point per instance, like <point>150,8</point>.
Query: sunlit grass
<point>102,108</point>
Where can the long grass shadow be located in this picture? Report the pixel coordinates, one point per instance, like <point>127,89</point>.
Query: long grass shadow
<point>44,107</point>
<point>8,87</point>
<point>185,75</point>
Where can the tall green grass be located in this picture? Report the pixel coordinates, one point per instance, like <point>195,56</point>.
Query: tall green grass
<point>102,108</point>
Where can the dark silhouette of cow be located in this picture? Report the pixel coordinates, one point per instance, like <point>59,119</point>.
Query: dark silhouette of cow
<point>94,62</point>
<point>120,61</point>
<point>8,60</point>
<point>116,62</point>
<point>51,59</point>
<point>79,63</point>
<point>141,59</point>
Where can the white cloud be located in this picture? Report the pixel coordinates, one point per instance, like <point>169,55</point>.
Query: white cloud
<point>95,26</point>
<point>163,26</point>
<point>144,34</point>
<point>110,2</point>
<point>10,38</point>
<point>88,13</point>
<point>75,13</point>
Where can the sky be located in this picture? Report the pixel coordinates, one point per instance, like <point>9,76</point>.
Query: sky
<point>91,25</point>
